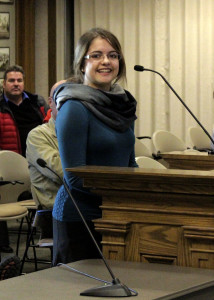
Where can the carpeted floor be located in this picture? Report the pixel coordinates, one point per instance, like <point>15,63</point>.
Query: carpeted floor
<point>42,254</point>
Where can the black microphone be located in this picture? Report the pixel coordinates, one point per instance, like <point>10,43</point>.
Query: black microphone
<point>141,69</point>
<point>115,289</point>
<point>138,68</point>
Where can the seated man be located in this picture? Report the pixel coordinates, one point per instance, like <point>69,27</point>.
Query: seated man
<point>42,143</point>
<point>20,111</point>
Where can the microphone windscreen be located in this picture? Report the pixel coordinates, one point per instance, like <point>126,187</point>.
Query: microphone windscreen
<point>139,68</point>
<point>41,162</point>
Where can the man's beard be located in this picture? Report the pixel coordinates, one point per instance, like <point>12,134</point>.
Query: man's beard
<point>13,97</point>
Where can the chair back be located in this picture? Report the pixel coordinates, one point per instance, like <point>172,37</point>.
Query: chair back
<point>13,167</point>
<point>166,141</point>
<point>198,138</point>
<point>149,163</point>
<point>35,198</point>
<point>141,149</point>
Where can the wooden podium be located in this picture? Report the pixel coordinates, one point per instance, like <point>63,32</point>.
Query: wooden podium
<point>161,216</point>
<point>185,161</point>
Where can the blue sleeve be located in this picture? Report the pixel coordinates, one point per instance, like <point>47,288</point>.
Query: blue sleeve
<point>72,132</point>
<point>132,161</point>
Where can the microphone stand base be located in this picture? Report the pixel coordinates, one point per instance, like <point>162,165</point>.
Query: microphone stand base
<point>114,290</point>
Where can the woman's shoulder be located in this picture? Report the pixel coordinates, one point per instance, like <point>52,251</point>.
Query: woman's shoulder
<point>73,104</point>
<point>73,110</point>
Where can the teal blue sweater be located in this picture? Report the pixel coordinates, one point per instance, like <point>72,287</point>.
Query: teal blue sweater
<point>85,140</point>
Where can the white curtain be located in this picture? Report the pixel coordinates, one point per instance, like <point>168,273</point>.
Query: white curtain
<point>173,37</point>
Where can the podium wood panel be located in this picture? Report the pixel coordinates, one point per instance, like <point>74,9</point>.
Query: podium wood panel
<point>189,161</point>
<point>161,216</point>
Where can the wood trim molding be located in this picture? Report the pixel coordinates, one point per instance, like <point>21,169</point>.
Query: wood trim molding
<point>51,43</point>
<point>25,40</point>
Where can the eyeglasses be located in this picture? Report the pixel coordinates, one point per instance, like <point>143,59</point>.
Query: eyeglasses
<point>112,56</point>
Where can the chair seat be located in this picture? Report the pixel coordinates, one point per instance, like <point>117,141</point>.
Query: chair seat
<point>30,204</point>
<point>12,211</point>
<point>45,243</point>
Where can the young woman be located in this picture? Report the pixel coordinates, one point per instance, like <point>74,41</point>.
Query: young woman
<point>95,126</point>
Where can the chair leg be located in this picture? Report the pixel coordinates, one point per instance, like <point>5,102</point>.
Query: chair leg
<point>19,236</point>
<point>34,253</point>
<point>26,249</point>
<point>29,219</point>
<point>51,256</point>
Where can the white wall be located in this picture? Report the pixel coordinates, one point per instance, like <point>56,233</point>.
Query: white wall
<point>173,37</point>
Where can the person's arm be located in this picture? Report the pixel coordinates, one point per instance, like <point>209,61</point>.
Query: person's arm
<point>132,162</point>
<point>41,146</point>
<point>72,135</point>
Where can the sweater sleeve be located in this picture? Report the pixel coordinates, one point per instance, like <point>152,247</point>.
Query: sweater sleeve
<point>72,135</point>
<point>39,145</point>
<point>132,161</point>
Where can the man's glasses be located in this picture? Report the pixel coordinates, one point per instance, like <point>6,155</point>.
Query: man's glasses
<point>97,56</point>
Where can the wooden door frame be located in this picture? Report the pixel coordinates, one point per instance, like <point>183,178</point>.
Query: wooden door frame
<point>25,40</point>
<point>51,43</point>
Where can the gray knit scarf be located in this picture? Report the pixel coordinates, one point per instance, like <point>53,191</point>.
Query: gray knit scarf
<point>116,108</point>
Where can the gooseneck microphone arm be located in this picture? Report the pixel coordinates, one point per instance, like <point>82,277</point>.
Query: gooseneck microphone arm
<point>117,289</point>
<point>141,69</point>
<point>43,164</point>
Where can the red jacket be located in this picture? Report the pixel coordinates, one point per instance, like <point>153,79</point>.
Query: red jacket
<point>9,133</point>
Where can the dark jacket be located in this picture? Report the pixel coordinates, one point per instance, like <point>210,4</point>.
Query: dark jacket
<point>9,133</point>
